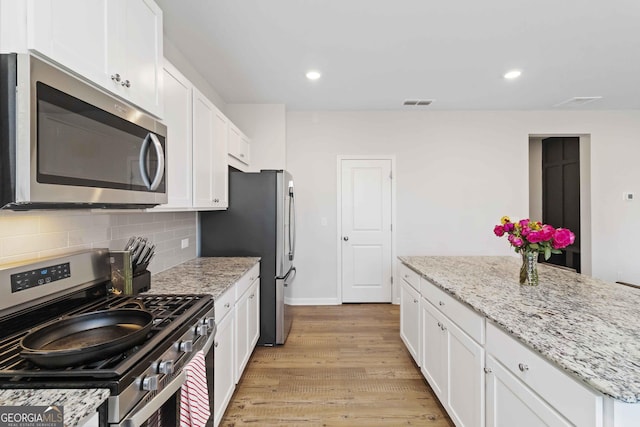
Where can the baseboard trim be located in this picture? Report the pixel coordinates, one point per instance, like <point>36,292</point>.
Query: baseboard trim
<point>311,301</point>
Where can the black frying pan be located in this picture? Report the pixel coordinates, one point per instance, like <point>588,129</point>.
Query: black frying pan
<point>86,337</point>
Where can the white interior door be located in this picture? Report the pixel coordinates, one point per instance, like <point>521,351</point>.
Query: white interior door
<point>366,230</point>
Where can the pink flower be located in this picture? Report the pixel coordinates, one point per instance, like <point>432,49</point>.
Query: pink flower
<point>546,233</point>
<point>515,241</point>
<point>499,230</point>
<point>508,227</point>
<point>562,238</point>
<point>525,231</point>
<point>524,223</point>
<point>534,237</point>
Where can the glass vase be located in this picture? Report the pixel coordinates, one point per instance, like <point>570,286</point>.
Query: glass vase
<point>529,269</point>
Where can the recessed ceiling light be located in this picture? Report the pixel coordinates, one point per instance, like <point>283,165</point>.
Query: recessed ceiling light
<point>513,74</point>
<point>313,75</point>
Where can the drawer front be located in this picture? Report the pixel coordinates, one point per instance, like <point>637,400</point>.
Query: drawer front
<point>573,400</point>
<point>225,303</point>
<point>247,280</point>
<point>468,320</point>
<point>410,276</point>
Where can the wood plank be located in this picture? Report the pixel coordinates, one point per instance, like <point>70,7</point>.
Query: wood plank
<point>341,366</point>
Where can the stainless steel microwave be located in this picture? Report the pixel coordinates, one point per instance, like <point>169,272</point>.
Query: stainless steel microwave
<point>67,144</point>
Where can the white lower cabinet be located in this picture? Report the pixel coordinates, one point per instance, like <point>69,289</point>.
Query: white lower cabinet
<point>410,320</point>
<point>223,375</point>
<point>453,365</point>
<point>511,403</point>
<point>238,321</point>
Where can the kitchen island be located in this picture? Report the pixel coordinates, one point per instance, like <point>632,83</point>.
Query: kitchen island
<point>584,327</point>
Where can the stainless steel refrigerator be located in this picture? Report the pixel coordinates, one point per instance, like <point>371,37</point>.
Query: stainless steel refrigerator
<point>260,222</point>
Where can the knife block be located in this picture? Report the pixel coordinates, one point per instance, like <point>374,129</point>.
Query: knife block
<point>126,280</point>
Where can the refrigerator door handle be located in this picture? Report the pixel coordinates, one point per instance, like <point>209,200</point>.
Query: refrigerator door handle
<point>286,278</point>
<point>292,224</point>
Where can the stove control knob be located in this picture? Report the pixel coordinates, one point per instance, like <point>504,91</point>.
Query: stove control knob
<point>150,383</point>
<point>165,367</point>
<point>202,330</point>
<point>210,322</point>
<point>186,346</point>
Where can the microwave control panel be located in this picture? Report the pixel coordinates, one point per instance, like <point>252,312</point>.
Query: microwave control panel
<point>39,276</point>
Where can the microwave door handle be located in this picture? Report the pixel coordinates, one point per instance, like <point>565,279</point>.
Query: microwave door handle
<point>159,153</point>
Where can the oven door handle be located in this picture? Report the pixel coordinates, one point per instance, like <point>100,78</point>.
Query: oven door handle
<point>137,419</point>
<point>210,340</point>
<point>152,186</point>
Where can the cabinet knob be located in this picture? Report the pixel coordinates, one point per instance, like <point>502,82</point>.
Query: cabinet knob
<point>227,305</point>
<point>415,300</point>
<point>487,370</point>
<point>252,295</point>
<point>126,83</point>
<point>345,238</point>
<point>215,344</point>
<point>241,155</point>
<point>444,328</point>
<point>441,303</point>
<point>406,276</point>
<point>523,367</point>
<point>439,325</point>
<point>115,77</point>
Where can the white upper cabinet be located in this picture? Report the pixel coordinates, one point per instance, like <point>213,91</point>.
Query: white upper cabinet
<point>210,177</point>
<point>239,149</point>
<point>178,119</point>
<point>116,44</point>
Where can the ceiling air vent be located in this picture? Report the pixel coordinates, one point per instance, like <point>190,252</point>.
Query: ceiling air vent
<point>578,101</point>
<point>417,102</point>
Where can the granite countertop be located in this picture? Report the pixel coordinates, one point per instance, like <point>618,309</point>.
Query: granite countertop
<point>79,404</point>
<point>202,276</point>
<point>588,327</point>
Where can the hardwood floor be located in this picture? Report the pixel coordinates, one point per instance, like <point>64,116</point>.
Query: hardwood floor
<point>341,366</point>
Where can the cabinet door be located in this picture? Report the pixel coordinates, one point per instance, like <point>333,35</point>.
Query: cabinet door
<point>223,378</point>
<point>242,335</point>
<point>234,141</point>
<point>254,315</point>
<point>219,164</point>
<point>511,403</point>
<point>177,93</point>
<point>73,33</point>
<point>466,378</point>
<point>244,150</point>
<point>434,349</point>
<point>410,319</point>
<point>203,118</point>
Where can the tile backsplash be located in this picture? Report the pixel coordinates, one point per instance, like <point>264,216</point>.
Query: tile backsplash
<point>39,234</point>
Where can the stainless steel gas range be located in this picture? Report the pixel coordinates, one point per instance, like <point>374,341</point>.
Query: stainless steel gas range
<point>61,327</point>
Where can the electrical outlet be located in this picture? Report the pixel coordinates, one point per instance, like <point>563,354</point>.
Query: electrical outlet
<point>184,243</point>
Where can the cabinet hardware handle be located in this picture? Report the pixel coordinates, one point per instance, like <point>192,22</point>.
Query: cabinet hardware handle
<point>439,325</point>
<point>441,303</point>
<point>444,328</point>
<point>215,344</point>
<point>252,295</point>
<point>115,77</point>
<point>487,370</point>
<point>523,367</point>
<point>345,238</point>
<point>126,83</point>
<point>227,305</point>
<point>415,300</point>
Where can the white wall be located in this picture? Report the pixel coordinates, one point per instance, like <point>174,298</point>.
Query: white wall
<point>265,125</point>
<point>38,234</point>
<point>457,174</point>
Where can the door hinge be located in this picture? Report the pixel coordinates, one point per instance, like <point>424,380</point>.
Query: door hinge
<point>392,280</point>
<point>391,227</point>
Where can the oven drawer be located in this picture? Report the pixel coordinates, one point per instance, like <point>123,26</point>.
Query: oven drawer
<point>247,280</point>
<point>225,303</point>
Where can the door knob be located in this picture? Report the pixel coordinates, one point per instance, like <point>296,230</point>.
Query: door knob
<point>345,238</point>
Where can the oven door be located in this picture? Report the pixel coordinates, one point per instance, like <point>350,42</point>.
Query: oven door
<point>85,146</point>
<point>164,409</point>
